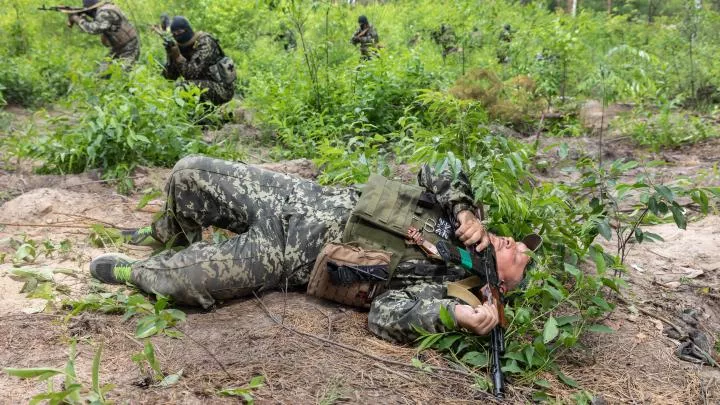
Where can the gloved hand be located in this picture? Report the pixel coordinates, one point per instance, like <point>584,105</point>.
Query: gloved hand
<point>73,19</point>
<point>169,43</point>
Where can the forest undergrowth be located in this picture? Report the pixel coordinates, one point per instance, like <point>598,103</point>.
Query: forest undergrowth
<point>409,105</point>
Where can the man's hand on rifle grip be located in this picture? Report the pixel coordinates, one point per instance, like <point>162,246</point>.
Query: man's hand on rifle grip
<point>73,19</point>
<point>471,231</point>
<point>479,320</point>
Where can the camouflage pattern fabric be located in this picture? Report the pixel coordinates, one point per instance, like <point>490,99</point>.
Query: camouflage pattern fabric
<point>106,22</point>
<point>282,224</point>
<point>367,41</point>
<point>445,37</point>
<point>202,54</point>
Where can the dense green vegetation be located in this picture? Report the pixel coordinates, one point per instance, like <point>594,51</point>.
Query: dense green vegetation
<point>409,105</point>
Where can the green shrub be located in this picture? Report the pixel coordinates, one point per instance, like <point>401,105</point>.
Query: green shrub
<point>133,119</point>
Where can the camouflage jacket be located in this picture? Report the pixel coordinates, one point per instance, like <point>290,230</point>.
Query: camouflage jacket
<point>370,37</point>
<point>202,54</point>
<point>418,288</point>
<point>113,25</point>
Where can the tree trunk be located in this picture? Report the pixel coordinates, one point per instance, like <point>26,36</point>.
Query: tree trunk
<point>574,7</point>
<point>609,6</point>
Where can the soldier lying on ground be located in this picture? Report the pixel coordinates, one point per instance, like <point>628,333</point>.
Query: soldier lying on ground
<point>282,224</point>
<point>114,29</point>
<point>198,58</point>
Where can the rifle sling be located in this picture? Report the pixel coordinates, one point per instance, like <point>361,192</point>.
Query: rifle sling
<point>461,290</point>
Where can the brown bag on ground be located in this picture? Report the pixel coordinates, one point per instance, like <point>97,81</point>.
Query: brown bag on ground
<point>358,294</point>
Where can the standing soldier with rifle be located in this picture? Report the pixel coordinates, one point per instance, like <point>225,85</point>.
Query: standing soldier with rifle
<point>116,32</point>
<point>367,37</point>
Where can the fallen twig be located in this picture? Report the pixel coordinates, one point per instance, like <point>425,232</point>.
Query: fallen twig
<point>349,348</point>
<point>656,316</point>
<point>208,352</point>
<point>398,373</point>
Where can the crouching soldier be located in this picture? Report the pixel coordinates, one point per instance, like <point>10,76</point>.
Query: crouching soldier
<point>198,58</point>
<point>115,30</point>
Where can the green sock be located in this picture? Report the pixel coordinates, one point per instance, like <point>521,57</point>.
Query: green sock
<point>122,273</point>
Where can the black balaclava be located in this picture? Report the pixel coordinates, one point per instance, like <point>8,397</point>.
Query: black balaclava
<point>180,22</point>
<point>362,20</point>
<point>90,3</point>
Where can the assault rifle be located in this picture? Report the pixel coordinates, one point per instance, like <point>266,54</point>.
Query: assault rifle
<point>163,30</point>
<point>360,34</point>
<point>69,9</point>
<point>483,265</point>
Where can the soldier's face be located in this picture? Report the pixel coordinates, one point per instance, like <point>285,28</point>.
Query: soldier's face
<point>178,33</point>
<point>511,258</point>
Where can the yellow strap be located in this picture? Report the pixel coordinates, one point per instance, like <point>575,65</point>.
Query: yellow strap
<point>461,290</point>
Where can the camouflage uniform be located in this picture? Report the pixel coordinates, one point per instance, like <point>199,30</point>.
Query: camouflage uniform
<point>367,41</point>
<point>282,223</point>
<point>445,37</point>
<point>117,34</point>
<point>203,53</point>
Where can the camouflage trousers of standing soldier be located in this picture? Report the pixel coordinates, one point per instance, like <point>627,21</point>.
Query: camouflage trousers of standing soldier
<point>126,56</point>
<point>281,224</point>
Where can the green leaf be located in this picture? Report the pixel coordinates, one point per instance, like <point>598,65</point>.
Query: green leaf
<point>566,380</point>
<point>565,320</point>
<point>665,192</point>
<point>563,150</point>
<point>41,274</point>
<point>42,373</point>
<point>604,228</point>
<point>44,291</point>
<point>257,381</point>
<point>542,383</point>
<point>639,235</point>
<point>512,367</point>
<point>446,319</point>
<point>598,328</point>
<point>653,236</point>
<point>170,380</point>
<point>550,331</point>
<point>678,216</point>
<point>447,341</point>
<point>429,341</point>
<point>96,369</point>
<point>149,326</point>
<point>475,359</point>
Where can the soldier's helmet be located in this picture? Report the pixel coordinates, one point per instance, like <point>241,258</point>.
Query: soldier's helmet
<point>362,20</point>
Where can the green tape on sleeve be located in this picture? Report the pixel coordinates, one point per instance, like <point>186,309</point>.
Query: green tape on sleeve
<point>466,259</point>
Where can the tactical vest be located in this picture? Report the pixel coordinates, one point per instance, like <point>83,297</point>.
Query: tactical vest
<point>123,35</point>
<point>384,213</point>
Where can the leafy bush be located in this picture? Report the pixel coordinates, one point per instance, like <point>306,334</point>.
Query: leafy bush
<point>667,128</point>
<point>138,119</point>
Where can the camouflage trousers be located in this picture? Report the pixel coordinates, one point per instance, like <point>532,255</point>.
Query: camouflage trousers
<point>281,224</point>
<point>216,93</point>
<point>126,55</point>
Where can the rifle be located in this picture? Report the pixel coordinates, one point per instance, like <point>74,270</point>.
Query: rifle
<point>163,29</point>
<point>483,265</point>
<point>361,33</point>
<point>70,10</point>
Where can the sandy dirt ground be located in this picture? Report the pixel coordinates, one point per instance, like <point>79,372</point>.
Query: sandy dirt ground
<point>240,339</point>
